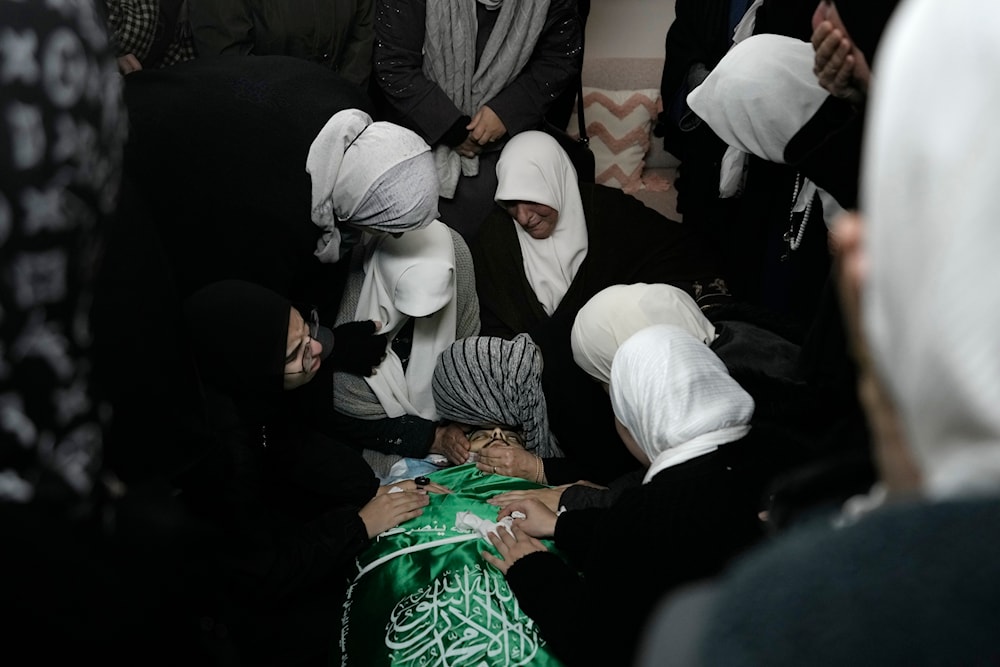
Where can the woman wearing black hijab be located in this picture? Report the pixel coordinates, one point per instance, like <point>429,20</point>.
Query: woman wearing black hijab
<point>293,508</point>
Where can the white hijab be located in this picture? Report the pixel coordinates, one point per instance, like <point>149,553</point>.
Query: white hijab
<point>931,303</point>
<point>756,99</point>
<point>676,397</point>
<point>410,276</point>
<point>612,315</point>
<point>533,167</point>
<point>349,163</point>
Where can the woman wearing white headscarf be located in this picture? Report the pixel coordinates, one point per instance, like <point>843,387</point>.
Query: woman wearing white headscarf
<point>421,288</point>
<point>612,315</point>
<point>758,99</point>
<point>915,580</point>
<point>544,252</point>
<point>468,75</point>
<point>763,361</point>
<point>758,96</point>
<point>688,424</point>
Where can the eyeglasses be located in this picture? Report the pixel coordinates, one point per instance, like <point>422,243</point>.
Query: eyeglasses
<point>497,434</point>
<point>312,322</point>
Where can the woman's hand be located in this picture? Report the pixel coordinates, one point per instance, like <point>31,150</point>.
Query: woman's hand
<point>549,497</point>
<point>511,546</point>
<point>510,461</point>
<point>840,67</point>
<point>388,510</point>
<point>538,521</point>
<point>128,64</point>
<point>450,442</point>
<point>468,148</point>
<point>486,127</point>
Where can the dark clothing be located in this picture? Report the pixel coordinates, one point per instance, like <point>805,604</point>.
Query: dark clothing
<point>156,32</point>
<point>94,571</point>
<point>336,34</point>
<point>217,189</point>
<point>157,412</point>
<point>561,111</point>
<point>698,37</point>
<point>218,147</point>
<point>699,33</point>
<point>696,40</point>
<point>416,102</point>
<point>828,148</point>
<point>684,525</point>
<point>913,584</point>
<point>406,96</point>
<point>764,270</point>
<point>628,243</point>
<point>778,452</point>
<point>283,502</point>
<point>282,498</point>
<point>581,496</point>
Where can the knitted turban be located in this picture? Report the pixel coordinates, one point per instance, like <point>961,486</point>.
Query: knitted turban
<point>491,380</point>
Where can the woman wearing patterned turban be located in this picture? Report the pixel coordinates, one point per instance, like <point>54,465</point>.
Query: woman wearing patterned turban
<point>492,387</point>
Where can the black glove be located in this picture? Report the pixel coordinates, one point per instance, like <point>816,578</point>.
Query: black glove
<point>356,348</point>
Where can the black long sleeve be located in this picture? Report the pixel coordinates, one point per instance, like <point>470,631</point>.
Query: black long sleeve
<point>683,525</point>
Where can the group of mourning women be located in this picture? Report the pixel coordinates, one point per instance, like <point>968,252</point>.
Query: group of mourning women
<point>392,347</point>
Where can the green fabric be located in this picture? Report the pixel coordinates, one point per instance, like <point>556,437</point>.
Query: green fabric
<point>425,597</point>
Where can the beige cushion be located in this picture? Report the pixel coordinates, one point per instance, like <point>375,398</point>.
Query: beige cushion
<point>619,123</point>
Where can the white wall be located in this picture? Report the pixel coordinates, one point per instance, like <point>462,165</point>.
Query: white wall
<point>628,28</point>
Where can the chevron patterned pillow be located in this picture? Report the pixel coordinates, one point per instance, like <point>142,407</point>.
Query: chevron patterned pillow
<point>619,122</point>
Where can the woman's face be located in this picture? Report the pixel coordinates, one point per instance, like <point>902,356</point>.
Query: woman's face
<point>302,352</point>
<point>538,220</point>
<point>493,435</point>
<point>630,443</point>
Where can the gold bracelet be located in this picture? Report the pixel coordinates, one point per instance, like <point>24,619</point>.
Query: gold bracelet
<point>539,470</point>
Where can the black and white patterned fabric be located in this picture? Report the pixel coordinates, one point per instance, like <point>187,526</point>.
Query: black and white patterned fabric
<point>136,24</point>
<point>133,25</point>
<point>61,139</point>
<point>482,380</point>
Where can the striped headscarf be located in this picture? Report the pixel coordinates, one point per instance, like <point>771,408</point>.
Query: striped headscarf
<point>490,380</point>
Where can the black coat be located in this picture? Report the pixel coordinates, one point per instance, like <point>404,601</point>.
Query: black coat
<point>683,525</point>
<point>915,584</point>
<point>218,146</point>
